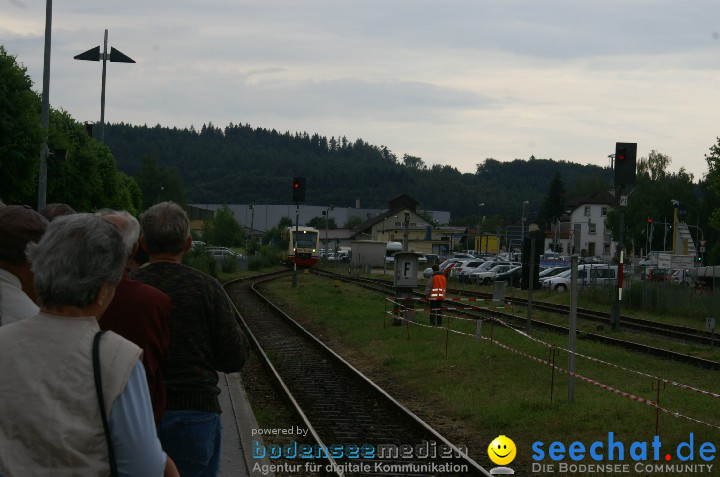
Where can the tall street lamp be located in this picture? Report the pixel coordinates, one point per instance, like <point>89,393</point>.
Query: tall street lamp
<point>45,111</point>
<point>93,54</point>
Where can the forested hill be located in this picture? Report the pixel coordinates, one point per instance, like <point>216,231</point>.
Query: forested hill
<point>241,164</point>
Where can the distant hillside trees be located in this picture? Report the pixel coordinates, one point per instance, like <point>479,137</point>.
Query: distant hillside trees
<point>241,164</point>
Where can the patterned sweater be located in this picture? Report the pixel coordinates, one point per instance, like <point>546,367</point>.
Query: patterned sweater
<point>204,335</point>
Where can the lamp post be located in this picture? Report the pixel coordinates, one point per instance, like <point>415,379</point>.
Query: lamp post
<point>93,54</point>
<point>45,111</point>
<point>478,245</point>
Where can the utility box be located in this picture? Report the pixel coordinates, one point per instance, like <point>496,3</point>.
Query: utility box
<point>406,269</point>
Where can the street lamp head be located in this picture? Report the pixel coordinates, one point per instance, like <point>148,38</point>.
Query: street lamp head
<point>527,202</point>
<point>481,204</point>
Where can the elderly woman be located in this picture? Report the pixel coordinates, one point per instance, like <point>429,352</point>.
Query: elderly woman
<point>50,417</point>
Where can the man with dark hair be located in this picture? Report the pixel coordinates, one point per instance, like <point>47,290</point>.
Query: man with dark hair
<point>20,225</point>
<point>204,338</point>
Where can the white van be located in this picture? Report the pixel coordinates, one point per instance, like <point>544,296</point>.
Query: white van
<point>588,275</point>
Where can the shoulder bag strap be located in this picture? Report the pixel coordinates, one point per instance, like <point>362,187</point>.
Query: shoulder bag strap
<point>101,401</point>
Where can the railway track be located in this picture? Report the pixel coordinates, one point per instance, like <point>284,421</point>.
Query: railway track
<point>674,332</point>
<point>365,430</point>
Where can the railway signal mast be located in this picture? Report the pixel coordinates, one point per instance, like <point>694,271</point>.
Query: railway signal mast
<point>624,179</point>
<point>298,196</point>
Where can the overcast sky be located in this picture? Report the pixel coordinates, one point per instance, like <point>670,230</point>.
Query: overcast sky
<point>451,81</point>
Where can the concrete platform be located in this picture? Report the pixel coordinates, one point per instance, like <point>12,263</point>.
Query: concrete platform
<point>238,420</point>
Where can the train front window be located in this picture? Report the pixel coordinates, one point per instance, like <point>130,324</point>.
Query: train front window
<point>305,239</point>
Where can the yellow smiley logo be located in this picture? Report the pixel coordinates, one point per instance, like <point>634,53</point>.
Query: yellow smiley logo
<point>502,450</point>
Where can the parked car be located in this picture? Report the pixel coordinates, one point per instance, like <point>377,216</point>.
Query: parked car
<point>551,272</point>
<point>591,260</point>
<point>479,274</point>
<point>463,270</point>
<point>588,275</point>
<point>486,277</point>
<point>428,272</point>
<point>221,254</point>
<point>512,277</point>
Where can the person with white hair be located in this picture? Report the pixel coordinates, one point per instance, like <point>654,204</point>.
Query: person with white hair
<point>74,401</point>
<point>140,313</point>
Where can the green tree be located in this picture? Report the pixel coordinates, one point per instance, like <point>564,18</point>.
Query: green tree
<point>353,221</point>
<point>159,183</point>
<point>413,162</point>
<point>88,178</point>
<point>553,205</point>
<point>223,229</point>
<point>21,134</point>
<point>655,189</point>
<point>319,223</point>
<point>711,203</point>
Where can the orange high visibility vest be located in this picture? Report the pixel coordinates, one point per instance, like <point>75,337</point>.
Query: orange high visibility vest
<point>439,284</point>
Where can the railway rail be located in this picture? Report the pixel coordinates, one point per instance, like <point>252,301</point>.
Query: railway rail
<point>341,410</point>
<point>675,332</point>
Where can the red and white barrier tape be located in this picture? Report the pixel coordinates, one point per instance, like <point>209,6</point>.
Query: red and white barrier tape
<point>570,373</point>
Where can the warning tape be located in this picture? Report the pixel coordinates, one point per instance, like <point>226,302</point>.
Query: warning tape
<point>402,305</point>
<point>613,365</point>
<point>686,387</point>
<point>593,382</point>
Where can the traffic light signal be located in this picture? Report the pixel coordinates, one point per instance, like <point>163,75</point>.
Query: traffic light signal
<point>298,194</point>
<point>625,158</point>
<point>649,220</point>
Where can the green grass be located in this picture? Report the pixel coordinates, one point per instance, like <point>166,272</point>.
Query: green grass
<point>493,391</point>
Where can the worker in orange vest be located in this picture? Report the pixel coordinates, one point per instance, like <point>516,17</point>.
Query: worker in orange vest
<point>435,290</point>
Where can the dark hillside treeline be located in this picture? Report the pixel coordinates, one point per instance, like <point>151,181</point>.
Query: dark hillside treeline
<point>241,164</point>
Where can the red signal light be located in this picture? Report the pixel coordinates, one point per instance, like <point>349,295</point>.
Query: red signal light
<point>649,220</point>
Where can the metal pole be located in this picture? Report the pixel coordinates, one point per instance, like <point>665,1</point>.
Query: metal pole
<point>621,257</point>
<point>45,113</point>
<point>102,92</point>
<point>531,282</point>
<point>572,328</point>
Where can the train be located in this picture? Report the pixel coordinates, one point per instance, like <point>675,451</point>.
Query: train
<point>303,246</point>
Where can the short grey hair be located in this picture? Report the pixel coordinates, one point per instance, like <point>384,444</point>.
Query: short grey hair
<point>128,225</point>
<point>165,228</point>
<point>75,257</point>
